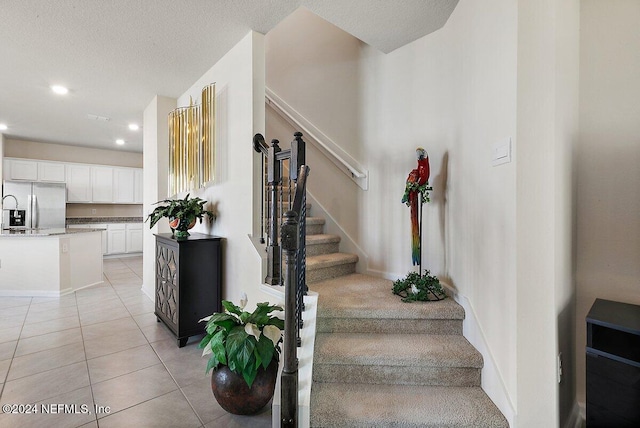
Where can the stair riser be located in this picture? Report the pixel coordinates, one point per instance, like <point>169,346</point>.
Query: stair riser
<point>396,375</point>
<point>318,249</point>
<point>317,275</point>
<point>368,325</point>
<point>314,229</point>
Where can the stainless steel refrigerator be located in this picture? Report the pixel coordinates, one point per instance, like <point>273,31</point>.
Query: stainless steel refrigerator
<point>43,205</point>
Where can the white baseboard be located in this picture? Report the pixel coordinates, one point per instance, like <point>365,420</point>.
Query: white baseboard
<point>492,381</point>
<point>35,293</point>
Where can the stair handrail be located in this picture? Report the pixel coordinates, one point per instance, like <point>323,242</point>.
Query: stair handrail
<point>332,150</point>
<point>293,239</point>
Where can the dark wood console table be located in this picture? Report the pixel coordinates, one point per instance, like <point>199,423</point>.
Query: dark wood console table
<point>188,282</point>
<point>613,365</point>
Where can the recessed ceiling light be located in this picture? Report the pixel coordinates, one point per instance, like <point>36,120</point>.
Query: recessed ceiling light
<point>134,126</point>
<point>120,142</point>
<point>60,90</point>
<point>3,127</point>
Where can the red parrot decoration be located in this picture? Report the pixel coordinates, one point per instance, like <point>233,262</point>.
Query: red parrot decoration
<point>416,186</point>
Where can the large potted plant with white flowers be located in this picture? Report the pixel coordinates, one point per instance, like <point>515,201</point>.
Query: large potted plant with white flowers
<point>244,350</point>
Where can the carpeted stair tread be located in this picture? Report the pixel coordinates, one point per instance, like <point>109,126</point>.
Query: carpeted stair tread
<point>322,238</point>
<point>361,405</point>
<point>315,220</point>
<point>416,350</point>
<point>330,260</point>
<point>364,296</point>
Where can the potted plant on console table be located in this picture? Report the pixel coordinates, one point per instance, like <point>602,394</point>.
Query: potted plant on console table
<point>182,214</point>
<point>244,350</point>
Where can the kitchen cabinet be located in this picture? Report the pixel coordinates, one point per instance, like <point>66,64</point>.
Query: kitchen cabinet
<point>86,183</point>
<point>134,237</point>
<point>18,169</point>
<point>32,170</point>
<point>78,183</point>
<point>116,238</point>
<point>137,186</point>
<point>102,184</point>
<point>52,172</point>
<point>123,185</point>
<point>188,282</point>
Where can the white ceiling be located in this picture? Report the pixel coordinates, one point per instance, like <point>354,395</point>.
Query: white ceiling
<point>116,55</point>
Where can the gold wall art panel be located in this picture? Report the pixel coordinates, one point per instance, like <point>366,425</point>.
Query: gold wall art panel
<point>192,138</point>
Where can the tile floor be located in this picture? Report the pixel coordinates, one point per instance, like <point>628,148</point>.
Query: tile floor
<point>103,347</point>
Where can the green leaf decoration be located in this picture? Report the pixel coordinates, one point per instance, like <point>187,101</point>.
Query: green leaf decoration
<point>228,343</point>
<point>419,288</point>
<point>205,340</point>
<point>240,346</point>
<point>213,363</point>
<point>230,307</point>
<point>249,373</point>
<point>278,322</point>
<point>266,350</point>
<point>217,346</point>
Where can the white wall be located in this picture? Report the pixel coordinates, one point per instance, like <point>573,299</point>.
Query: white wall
<point>608,182</point>
<point>155,140</point>
<point>453,93</point>
<point>1,154</point>
<point>315,67</point>
<point>65,153</point>
<point>239,78</point>
<point>548,76</point>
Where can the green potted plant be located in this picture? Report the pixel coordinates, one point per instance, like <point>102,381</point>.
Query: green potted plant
<point>244,350</point>
<point>415,287</point>
<point>182,214</point>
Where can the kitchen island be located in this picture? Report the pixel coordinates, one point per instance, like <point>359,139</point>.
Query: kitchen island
<point>49,262</point>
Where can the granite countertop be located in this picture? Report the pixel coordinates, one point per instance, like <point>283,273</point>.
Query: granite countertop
<point>43,232</point>
<point>89,220</point>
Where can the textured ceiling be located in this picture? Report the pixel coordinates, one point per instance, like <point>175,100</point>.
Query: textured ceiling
<point>116,55</point>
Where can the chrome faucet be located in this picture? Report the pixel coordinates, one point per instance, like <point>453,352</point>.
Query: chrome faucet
<point>2,211</point>
<point>14,198</point>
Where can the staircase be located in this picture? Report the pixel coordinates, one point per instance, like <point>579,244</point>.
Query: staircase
<point>379,362</point>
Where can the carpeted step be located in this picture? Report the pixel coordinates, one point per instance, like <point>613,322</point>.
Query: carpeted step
<point>315,225</point>
<point>360,303</point>
<point>361,405</point>
<point>405,359</point>
<point>322,244</point>
<point>331,265</point>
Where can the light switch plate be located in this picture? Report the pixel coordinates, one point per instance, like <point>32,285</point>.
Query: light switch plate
<point>501,152</point>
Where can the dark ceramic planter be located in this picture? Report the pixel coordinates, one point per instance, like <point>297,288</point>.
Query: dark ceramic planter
<point>181,226</point>
<point>234,395</point>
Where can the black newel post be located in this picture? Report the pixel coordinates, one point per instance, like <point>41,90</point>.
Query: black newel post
<point>289,379</point>
<point>274,176</point>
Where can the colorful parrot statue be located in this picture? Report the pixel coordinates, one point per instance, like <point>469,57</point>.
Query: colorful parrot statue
<point>415,188</point>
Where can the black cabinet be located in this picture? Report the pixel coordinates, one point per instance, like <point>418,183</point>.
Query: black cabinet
<point>188,282</point>
<point>613,365</point>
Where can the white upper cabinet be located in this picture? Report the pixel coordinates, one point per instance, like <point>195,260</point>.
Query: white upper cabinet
<point>22,170</point>
<point>51,171</point>
<point>123,186</point>
<point>137,186</point>
<point>102,184</point>
<point>86,183</point>
<point>78,183</point>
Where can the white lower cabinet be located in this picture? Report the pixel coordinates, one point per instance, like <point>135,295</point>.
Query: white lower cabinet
<point>116,238</point>
<point>134,237</point>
